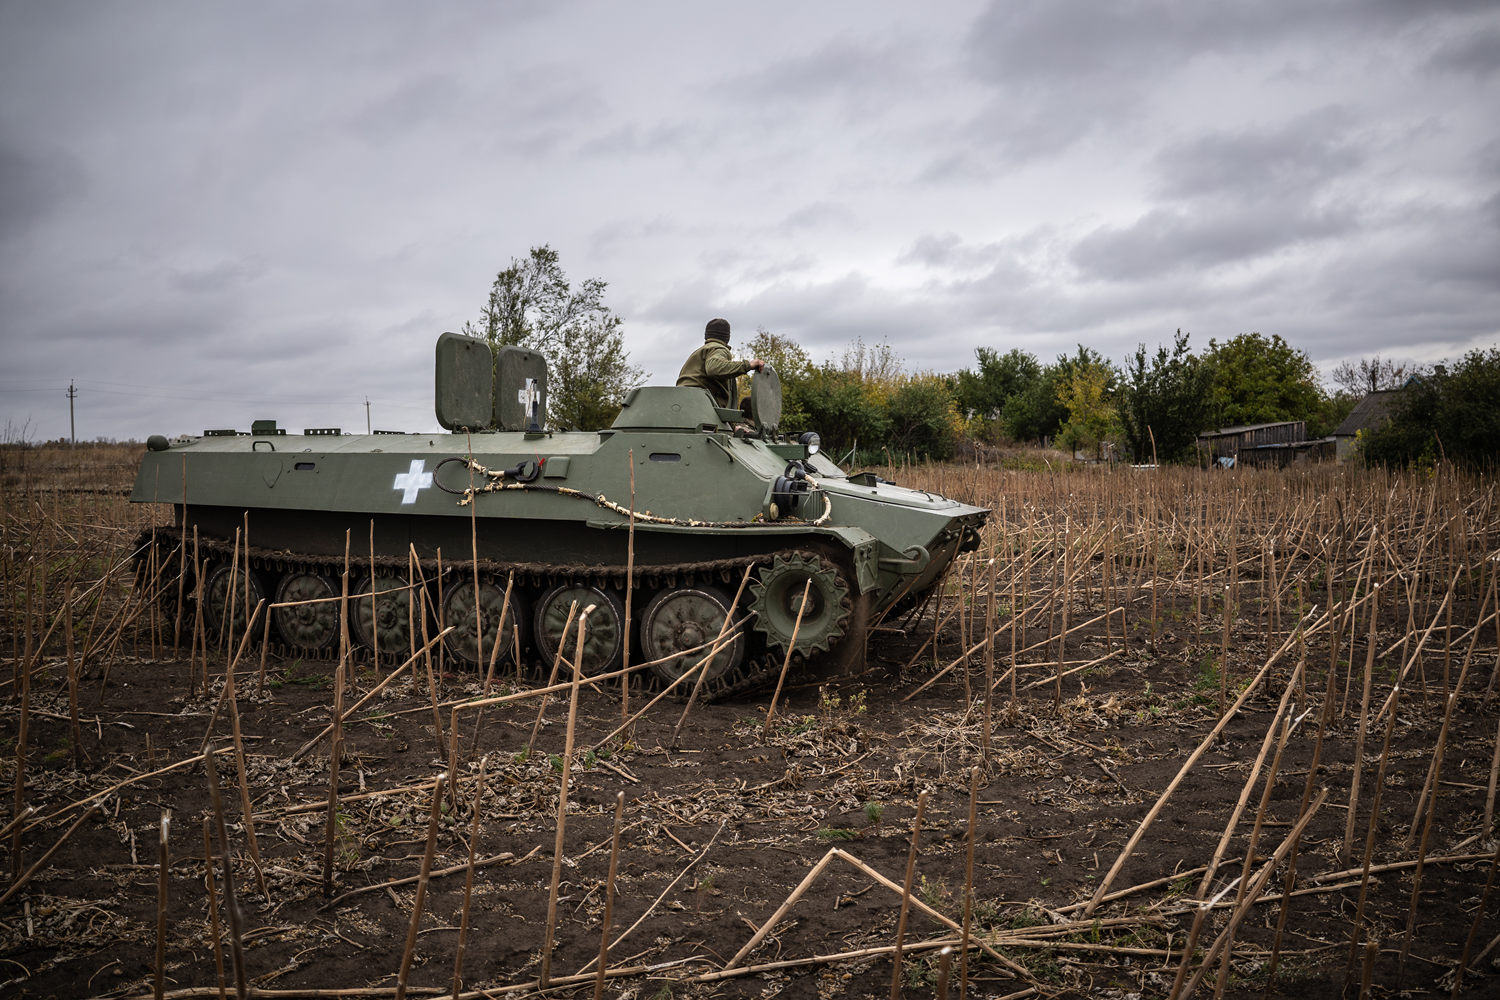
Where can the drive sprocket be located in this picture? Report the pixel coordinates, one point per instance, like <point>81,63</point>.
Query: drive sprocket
<point>777,594</point>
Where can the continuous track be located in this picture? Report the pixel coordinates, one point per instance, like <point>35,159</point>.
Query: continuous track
<point>759,668</point>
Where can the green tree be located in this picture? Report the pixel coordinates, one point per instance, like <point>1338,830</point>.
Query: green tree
<point>532,304</point>
<point>982,393</point>
<point>591,374</point>
<point>1168,396</point>
<point>1330,412</point>
<point>1260,381</point>
<point>924,417</point>
<point>1450,411</point>
<point>1035,412</point>
<point>1085,393</point>
<point>793,367</point>
<point>842,409</point>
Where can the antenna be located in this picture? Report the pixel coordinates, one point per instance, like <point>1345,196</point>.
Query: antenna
<point>72,427</point>
<point>367,416</point>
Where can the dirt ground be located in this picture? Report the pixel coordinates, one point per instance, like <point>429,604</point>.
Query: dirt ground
<point>841,768</point>
<point>723,824</point>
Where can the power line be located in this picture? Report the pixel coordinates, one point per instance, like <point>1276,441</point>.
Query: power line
<point>179,392</point>
<point>207,397</point>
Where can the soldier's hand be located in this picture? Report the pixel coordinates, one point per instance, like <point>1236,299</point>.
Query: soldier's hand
<point>757,364</point>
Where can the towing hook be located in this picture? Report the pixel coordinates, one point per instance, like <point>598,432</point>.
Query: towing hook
<point>916,561</point>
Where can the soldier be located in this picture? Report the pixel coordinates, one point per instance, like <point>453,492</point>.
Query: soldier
<point>712,368</point>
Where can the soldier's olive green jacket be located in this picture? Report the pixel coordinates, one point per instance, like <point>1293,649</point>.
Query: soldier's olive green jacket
<point>712,367</point>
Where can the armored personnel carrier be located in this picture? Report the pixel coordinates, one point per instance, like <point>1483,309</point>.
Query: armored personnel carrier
<point>545,519</point>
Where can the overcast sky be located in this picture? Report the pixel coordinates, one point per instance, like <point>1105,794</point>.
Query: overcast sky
<point>211,213</point>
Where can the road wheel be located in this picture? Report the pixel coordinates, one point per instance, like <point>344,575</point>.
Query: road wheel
<point>604,639</point>
<point>678,620</point>
<point>458,612</point>
<point>394,616</point>
<point>216,596</point>
<point>308,627</point>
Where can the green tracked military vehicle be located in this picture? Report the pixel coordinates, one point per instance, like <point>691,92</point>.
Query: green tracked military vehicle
<point>545,516</point>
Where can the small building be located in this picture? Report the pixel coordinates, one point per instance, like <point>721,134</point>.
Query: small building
<point>1273,445</point>
<point>1368,414</point>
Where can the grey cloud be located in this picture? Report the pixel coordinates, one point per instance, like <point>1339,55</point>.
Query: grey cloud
<point>261,192</point>
<point>779,267</point>
<point>1039,123</point>
<point>820,215</point>
<point>33,185</point>
<point>1004,260</point>
<point>842,69</point>
<point>1063,70</point>
<point>1043,40</point>
<point>413,103</point>
<point>1232,197</point>
<point>933,251</point>
<point>626,233</point>
<point>220,277</point>
<point>1166,239</point>
<point>1474,53</point>
<point>632,139</point>
<point>1289,160</point>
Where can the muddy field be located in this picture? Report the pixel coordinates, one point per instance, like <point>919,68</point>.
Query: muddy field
<point>1080,885</point>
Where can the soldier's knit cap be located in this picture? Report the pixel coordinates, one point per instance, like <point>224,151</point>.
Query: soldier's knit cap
<point>717,329</point>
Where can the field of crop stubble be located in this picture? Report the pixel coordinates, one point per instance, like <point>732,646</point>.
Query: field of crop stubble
<point>1211,732</point>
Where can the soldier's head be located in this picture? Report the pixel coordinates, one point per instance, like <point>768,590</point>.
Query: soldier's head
<point>717,329</point>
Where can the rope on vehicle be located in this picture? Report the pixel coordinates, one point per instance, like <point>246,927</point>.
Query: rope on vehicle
<point>498,483</point>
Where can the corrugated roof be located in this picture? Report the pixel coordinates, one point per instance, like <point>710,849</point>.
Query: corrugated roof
<point>1242,428</point>
<point>1368,413</point>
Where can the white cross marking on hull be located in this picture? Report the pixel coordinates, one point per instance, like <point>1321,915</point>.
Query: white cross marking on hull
<point>413,480</point>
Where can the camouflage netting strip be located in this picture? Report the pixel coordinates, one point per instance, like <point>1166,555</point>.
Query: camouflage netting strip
<point>602,501</point>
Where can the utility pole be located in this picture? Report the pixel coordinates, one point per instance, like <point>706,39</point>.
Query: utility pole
<point>367,416</point>
<point>72,427</point>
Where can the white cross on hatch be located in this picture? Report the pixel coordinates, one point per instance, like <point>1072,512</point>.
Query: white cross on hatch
<point>413,481</point>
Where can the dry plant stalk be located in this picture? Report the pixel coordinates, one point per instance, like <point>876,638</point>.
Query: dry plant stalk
<point>1250,896</point>
<point>783,909</point>
<point>973,835</point>
<point>911,872</point>
<point>213,904</point>
<point>308,746</point>
<point>20,881</point>
<point>703,667</point>
<point>161,906</point>
<point>786,663</point>
<point>416,908</point>
<point>609,897</point>
<point>629,595</point>
<point>231,901</point>
<point>545,977</point>
<point>989,663</point>
<point>239,761</point>
<point>557,658</point>
<point>463,924</point>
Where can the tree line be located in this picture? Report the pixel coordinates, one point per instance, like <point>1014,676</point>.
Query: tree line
<point>1152,406</point>
<point>1149,408</point>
